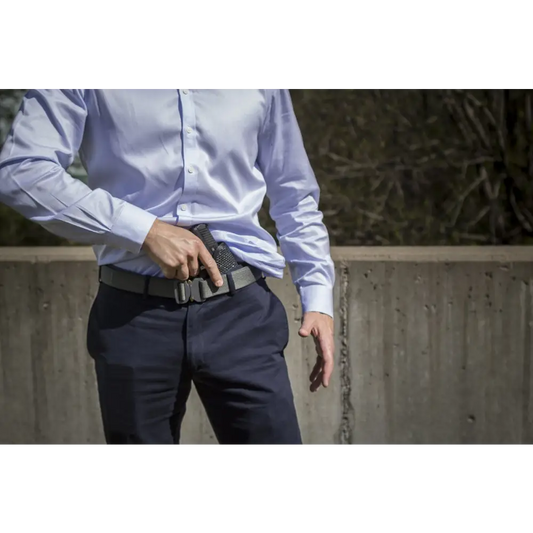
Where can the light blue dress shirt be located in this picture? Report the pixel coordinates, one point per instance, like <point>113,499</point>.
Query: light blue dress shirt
<point>182,156</point>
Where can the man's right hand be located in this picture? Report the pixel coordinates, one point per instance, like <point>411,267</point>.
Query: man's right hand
<point>177,251</point>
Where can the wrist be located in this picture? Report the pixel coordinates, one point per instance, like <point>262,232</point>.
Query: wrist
<point>151,236</point>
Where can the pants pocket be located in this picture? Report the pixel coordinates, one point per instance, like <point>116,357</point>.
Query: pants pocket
<point>285,319</point>
<point>92,330</point>
<point>282,315</point>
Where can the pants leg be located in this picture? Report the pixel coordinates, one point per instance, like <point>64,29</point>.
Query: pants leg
<point>138,346</point>
<point>239,367</point>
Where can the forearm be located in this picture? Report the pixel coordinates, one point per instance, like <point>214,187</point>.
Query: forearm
<point>304,243</point>
<point>41,145</point>
<point>294,195</point>
<point>42,191</point>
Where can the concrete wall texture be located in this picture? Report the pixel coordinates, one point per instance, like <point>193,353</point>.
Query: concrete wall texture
<point>433,345</point>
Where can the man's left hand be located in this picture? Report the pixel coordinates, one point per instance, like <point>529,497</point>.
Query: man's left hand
<point>320,326</point>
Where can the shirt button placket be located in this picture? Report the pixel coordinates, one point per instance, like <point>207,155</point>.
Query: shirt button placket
<point>190,178</point>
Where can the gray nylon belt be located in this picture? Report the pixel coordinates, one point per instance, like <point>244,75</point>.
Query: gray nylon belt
<point>195,290</point>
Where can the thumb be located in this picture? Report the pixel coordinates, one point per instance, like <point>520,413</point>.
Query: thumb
<point>305,328</point>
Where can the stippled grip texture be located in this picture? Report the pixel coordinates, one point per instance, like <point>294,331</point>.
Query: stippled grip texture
<point>222,255</point>
<point>225,259</point>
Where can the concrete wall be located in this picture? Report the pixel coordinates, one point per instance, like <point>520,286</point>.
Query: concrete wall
<point>433,345</point>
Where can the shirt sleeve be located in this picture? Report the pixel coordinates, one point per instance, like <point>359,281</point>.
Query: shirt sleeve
<point>294,193</point>
<point>41,145</point>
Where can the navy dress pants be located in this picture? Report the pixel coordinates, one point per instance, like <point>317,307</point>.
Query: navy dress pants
<point>148,350</point>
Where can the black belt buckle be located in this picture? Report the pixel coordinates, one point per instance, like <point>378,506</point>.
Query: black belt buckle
<point>189,290</point>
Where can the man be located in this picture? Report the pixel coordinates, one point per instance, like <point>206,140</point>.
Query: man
<point>159,164</point>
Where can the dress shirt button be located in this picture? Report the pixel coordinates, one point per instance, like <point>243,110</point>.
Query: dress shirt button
<point>183,208</point>
<point>185,91</point>
<point>190,170</point>
<point>189,130</point>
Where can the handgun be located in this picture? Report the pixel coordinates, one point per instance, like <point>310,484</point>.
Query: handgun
<point>221,253</point>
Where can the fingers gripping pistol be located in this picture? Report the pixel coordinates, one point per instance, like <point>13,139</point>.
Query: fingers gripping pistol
<point>222,255</point>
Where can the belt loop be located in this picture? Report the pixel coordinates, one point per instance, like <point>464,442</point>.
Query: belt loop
<point>231,283</point>
<point>146,284</point>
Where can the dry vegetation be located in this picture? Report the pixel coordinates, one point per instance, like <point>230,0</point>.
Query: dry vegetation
<point>401,167</point>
